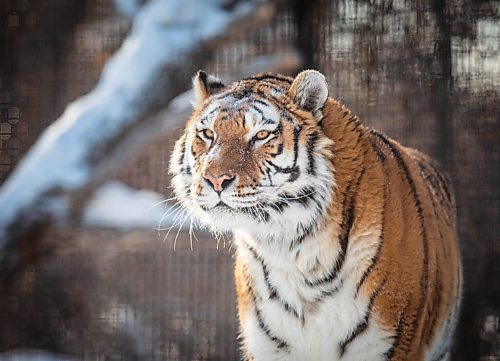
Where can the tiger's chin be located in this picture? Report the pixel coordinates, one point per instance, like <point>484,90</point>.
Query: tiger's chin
<point>225,219</point>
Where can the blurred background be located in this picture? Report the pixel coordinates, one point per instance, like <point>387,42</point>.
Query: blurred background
<point>425,72</point>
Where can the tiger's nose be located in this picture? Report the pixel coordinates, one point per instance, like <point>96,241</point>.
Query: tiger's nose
<point>219,183</point>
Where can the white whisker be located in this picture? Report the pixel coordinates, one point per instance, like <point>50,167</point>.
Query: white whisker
<point>175,223</point>
<point>179,230</point>
<point>170,210</point>
<point>160,202</point>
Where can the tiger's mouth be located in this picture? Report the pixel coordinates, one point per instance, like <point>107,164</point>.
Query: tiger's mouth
<point>223,209</point>
<point>220,205</point>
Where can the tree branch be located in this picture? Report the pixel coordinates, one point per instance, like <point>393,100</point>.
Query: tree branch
<point>168,42</point>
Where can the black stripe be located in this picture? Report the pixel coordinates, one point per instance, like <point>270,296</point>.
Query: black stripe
<point>203,120</point>
<point>286,170</point>
<point>296,133</point>
<point>326,293</point>
<point>278,151</point>
<point>264,120</point>
<point>345,230</point>
<point>304,197</point>
<point>271,86</point>
<point>433,183</point>
<point>269,76</point>
<point>203,77</point>
<point>267,121</point>
<point>304,232</point>
<point>243,121</point>
<point>261,102</point>
<point>442,174</point>
<point>363,325</point>
<point>420,213</point>
<point>277,90</point>
<point>180,160</point>
<point>271,289</point>
<point>216,85</point>
<point>438,287</point>
<point>260,214</point>
<point>294,175</point>
<point>381,158</point>
<point>311,144</point>
<point>280,343</point>
<point>240,94</point>
<point>444,181</point>
<point>399,332</point>
<point>280,206</point>
<point>376,148</point>
<point>348,212</point>
<point>268,173</point>
<point>333,272</point>
<point>278,130</point>
<point>287,117</point>
<point>257,110</point>
<point>433,187</point>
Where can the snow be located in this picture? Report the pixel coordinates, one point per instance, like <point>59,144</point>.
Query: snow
<point>116,205</point>
<point>33,355</point>
<point>127,7</point>
<point>163,33</point>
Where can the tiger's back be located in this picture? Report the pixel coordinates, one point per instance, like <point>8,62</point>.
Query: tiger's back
<point>365,268</point>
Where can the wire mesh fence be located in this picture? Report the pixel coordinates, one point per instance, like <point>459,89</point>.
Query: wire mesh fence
<point>427,73</point>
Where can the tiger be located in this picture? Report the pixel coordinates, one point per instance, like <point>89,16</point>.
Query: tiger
<point>345,241</point>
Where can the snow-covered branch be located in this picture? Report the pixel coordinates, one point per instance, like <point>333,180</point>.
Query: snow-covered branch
<point>115,205</point>
<point>168,42</point>
<point>34,355</point>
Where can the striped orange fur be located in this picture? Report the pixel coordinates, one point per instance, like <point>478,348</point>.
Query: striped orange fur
<point>346,240</point>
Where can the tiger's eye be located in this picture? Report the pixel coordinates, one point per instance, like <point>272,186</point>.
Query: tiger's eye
<point>263,134</point>
<point>208,133</point>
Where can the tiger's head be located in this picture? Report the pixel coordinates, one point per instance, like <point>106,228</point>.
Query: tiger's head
<point>254,156</point>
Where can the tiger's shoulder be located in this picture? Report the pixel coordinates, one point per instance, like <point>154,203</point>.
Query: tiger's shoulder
<point>403,200</point>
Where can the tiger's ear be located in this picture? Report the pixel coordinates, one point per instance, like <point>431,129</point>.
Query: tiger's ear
<point>205,85</point>
<point>309,91</point>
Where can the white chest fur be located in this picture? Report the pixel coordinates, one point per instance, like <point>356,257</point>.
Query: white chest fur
<point>306,305</point>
